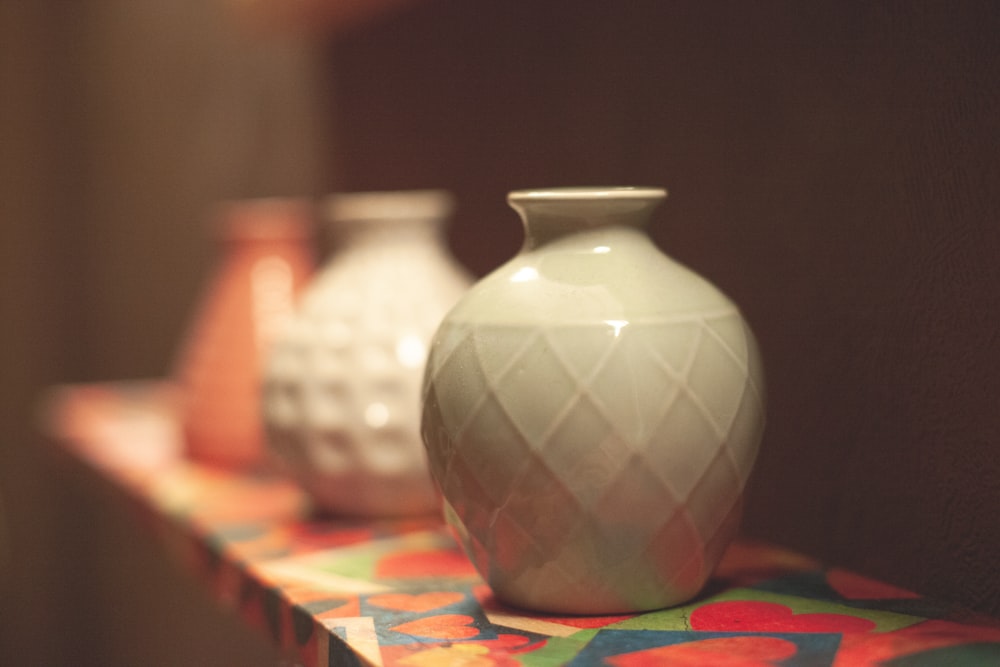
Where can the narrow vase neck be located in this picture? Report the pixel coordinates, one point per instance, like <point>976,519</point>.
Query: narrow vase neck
<point>263,222</point>
<point>554,213</point>
<point>380,233</point>
<point>370,219</point>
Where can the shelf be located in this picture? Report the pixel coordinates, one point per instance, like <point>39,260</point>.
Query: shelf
<point>334,591</point>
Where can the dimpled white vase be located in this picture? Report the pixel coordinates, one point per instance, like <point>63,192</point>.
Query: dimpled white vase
<point>592,411</point>
<point>341,394</point>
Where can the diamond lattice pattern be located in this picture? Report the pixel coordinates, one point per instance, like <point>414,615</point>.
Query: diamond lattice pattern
<point>593,467</point>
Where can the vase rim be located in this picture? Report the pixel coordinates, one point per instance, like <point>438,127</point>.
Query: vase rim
<point>584,193</point>
<point>389,204</point>
<point>263,218</point>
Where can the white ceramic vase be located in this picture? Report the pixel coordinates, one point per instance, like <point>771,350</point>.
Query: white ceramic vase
<point>592,411</point>
<point>341,394</point>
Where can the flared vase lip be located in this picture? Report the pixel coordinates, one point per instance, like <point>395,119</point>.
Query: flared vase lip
<point>386,205</point>
<point>587,193</point>
<point>263,218</point>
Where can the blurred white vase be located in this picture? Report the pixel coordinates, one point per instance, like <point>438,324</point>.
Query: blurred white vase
<point>341,392</point>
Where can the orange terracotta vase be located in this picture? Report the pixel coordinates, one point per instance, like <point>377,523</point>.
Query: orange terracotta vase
<point>265,256</point>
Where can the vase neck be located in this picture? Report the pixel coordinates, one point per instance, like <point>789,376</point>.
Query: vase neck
<point>264,222</point>
<point>551,214</point>
<point>411,217</point>
<point>379,233</point>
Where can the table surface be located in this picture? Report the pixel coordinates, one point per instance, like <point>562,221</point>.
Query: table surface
<point>333,591</point>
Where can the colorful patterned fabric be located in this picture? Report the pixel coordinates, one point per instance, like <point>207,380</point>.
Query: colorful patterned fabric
<point>335,591</point>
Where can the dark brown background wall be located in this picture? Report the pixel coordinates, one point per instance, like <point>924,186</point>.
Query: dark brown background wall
<point>121,121</point>
<point>833,166</point>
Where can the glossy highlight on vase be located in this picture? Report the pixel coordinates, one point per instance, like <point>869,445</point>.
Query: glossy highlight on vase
<point>592,412</point>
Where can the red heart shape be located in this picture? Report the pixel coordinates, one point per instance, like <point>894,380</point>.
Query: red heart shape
<point>721,652</point>
<point>751,616</point>
<point>445,626</point>
<point>415,601</point>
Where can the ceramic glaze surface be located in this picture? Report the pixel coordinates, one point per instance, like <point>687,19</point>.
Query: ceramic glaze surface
<point>342,385</point>
<point>265,257</point>
<point>592,412</point>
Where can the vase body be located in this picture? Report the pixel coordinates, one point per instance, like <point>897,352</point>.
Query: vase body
<point>342,386</point>
<point>592,412</point>
<point>265,256</point>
